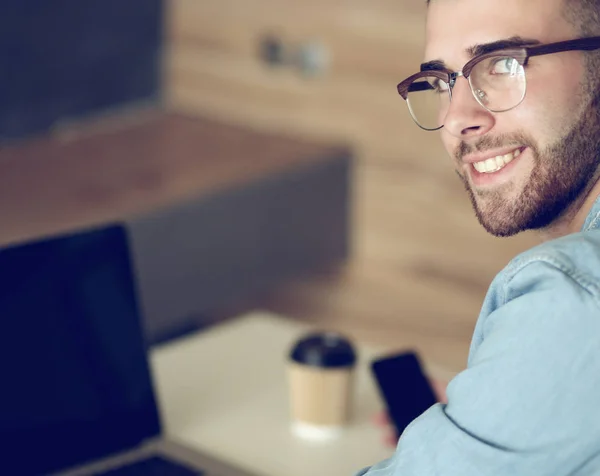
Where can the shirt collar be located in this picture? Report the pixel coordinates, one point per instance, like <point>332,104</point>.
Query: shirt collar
<point>592,222</point>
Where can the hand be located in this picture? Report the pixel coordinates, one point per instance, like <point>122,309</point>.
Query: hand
<point>390,438</point>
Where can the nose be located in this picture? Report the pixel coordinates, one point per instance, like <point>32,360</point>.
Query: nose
<point>466,118</point>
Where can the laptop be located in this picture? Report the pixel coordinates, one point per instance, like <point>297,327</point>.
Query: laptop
<point>76,393</point>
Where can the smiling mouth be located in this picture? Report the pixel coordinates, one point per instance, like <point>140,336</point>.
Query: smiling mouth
<point>497,163</point>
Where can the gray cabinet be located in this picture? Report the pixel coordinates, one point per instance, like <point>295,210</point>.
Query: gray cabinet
<point>197,257</point>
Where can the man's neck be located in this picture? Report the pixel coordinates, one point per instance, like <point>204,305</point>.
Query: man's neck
<point>573,219</point>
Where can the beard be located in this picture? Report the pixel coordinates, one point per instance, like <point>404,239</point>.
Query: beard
<point>561,174</point>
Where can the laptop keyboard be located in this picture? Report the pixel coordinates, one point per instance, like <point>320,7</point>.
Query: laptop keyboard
<point>154,466</point>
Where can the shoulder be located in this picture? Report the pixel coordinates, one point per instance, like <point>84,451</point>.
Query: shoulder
<point>575,258</point>
<point>556,281</point>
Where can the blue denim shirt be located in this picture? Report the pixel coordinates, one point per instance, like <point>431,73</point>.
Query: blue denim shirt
<point>528,403</point>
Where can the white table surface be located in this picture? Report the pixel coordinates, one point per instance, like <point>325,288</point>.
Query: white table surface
<point>224,391</point>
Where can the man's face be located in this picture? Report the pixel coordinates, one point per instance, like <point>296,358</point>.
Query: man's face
<point>553,136</point>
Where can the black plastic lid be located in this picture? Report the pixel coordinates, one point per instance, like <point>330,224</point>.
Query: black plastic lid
<point>324,349</point>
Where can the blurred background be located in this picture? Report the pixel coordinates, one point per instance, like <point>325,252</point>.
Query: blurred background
<point>258,152</point>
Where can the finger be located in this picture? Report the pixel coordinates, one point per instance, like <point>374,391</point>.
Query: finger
<point>439,388</point>
<point>381,418</point>
<point>390,438</point>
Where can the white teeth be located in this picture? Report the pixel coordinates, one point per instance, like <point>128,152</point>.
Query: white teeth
<point>496,163</point>
<point>490,165</point>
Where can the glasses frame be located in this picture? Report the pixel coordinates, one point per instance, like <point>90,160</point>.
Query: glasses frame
<point>521,54</point>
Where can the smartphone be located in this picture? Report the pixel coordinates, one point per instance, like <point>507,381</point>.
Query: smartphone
<point>404,387</point>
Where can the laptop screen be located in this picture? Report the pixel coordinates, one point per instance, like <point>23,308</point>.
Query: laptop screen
<point>75,381</point>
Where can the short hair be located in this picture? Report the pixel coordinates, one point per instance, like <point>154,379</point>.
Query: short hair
<point>584,15</point>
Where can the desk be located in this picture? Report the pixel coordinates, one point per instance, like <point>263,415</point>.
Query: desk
<point>224,391</point>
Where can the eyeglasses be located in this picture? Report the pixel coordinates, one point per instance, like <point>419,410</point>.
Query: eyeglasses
<point>497,81</point>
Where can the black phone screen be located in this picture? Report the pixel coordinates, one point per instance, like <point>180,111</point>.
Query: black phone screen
<point>404,387</point>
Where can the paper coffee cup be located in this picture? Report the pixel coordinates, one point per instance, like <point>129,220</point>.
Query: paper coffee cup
<point>321,373</point>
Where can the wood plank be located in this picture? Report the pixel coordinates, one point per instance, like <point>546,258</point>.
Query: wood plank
<point>368,114</point>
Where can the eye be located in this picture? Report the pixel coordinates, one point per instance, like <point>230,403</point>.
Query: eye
<point>438,85</point>
<point>505,65</point>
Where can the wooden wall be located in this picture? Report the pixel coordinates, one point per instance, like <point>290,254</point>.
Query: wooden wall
<point>415,237</point>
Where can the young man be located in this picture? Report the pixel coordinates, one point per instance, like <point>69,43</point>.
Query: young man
<point>521,122</point>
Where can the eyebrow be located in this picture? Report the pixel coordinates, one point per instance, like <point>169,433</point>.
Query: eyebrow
<point>481,49</point>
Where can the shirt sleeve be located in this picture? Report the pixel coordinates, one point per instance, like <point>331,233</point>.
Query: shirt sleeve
<point>528,403</point>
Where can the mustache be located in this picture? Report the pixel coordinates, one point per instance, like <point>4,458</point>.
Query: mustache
<point>488,143</point>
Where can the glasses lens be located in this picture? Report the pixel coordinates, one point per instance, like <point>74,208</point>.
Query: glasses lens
<point>498,83</point>
<point>427,99</point>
